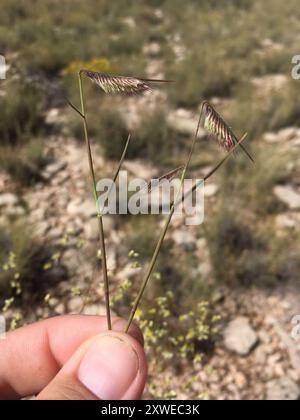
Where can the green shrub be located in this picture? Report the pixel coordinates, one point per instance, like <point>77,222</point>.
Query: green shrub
<point>256,112</point>
<point>27,267</point>
<point>17,252</point>
<point>24,163</point>
<point>252,185</point>
<point>111,133</point>
<point>202,75</point>
<point>244,246</point>
<point>176,267</point>
<point>247,253</point>
<point>154,139</point>
<point>22,109</point>
<point>270,62</point>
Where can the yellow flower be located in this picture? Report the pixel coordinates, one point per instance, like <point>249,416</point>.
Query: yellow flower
<point>99,64</point>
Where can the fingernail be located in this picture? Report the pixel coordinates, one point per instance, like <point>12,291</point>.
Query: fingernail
<point>109,368</point>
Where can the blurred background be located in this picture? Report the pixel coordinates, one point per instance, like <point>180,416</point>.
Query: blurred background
<point>217,315</point>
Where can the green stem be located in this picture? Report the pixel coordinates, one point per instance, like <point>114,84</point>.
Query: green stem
<point>118,170</point>
<point>163,233</point>
<point>99,214</point>
<point>174,205</point>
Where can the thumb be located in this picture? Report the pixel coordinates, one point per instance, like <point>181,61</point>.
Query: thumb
<point>110,366</point>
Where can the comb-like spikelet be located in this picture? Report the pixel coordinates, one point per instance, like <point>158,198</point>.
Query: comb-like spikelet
<point>215,124</point>
<point>168,177</point>
<point>121,84</point>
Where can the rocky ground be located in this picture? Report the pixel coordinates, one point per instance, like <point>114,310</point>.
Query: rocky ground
<point>258,354</point>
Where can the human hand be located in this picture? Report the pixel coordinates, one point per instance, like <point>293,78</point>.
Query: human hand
<point>73,357</point>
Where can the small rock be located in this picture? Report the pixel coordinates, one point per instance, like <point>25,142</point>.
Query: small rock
<point>239,336</point>
<point>129,21</point>
<point>52,115</point>
<point>127,273</point>
<point>70,259</point>
<point>4,180</point>
<point>94,310</point>
<point>240,380</point>
<point>111,259</point>
<point>288,133</point>
<point>52,169</point>
<point>210,190</point>
<point>269,44</point>
<point>153,49</point>
<point>61,179</point>
<point>269,83</point>
<point>55,117</point>
<point>288,195</point>
<point>88,209</point>
<point>75,304</point>
<point>295,142</point>
<point>40,229</point>
<point>37,199</point>
<point>185,239</point>
<point>159,14</point>
<point>38,214</point>
<point>85,208</point>
<point>203,255</point>
<point>288,220</point>
<point>261,355</point>
<point>60,309</point>
<point>53,301</point>
<point>8,200</point>
<point>140,169</point>
<point>56,233</point>
<point>184,122</point>
<point>15,211</point>
<point>91,229</point>
<point>272,138</point>
<point>283,389</point>
<point>218,295</point>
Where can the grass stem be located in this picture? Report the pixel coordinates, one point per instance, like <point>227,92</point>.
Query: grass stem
<point>99,214</point>
<point>163,232</point>
<point>176,202</point>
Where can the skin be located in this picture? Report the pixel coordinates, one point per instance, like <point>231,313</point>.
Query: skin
<point>43,359</point>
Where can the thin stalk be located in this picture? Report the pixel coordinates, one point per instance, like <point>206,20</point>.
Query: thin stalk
<point>109,192</point>
<point>99,214</point>
<point>163,233</point>
<point>118,169</point>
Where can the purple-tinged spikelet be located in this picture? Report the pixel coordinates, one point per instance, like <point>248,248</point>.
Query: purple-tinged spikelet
<point>168,177</point>
<point>215,125</point>
<point>121,84</point>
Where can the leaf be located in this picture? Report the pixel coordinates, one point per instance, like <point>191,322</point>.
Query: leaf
<point>215,125</point>
<point>121,84</point>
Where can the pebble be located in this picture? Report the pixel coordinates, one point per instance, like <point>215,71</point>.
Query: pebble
<point>239,336</point>
<point>210,190</point>
<point>185,239</point>
<point>288,195</point>
<point>8,200</point>
<point>283,388</point>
